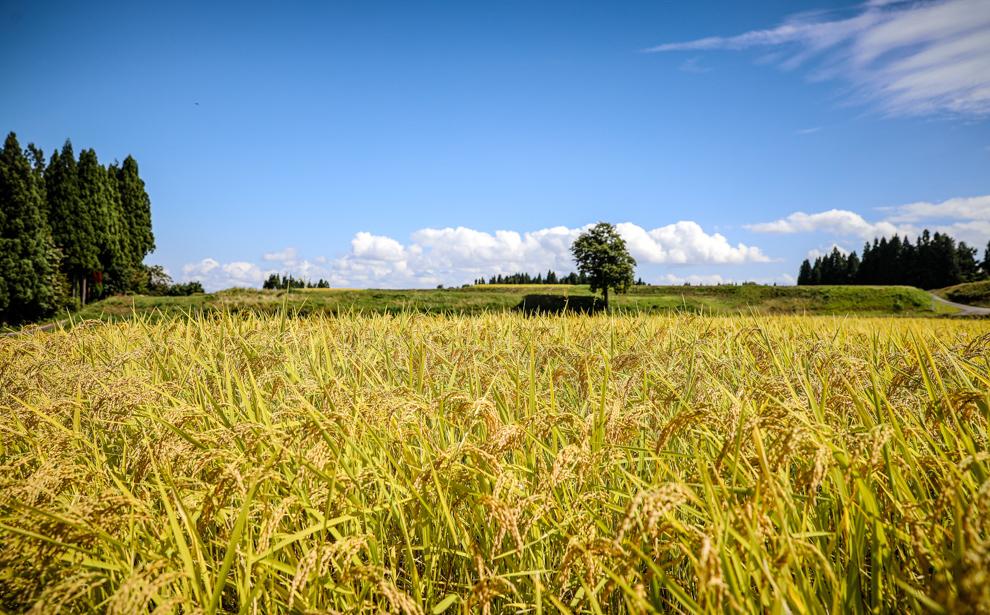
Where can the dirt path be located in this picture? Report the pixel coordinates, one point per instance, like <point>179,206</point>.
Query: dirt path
<point>48,326</point>
<point>964,310</point>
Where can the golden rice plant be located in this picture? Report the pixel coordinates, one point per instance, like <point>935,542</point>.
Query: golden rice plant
<point>496,463</point>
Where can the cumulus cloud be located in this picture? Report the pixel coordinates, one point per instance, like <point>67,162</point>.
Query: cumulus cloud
<point>377,248</point>
<point>457,255</point>
<point>910,58</point>
<point>686,243</point>
<point>965,218</point>
<point>834,221</point>
<point>672,279</point>
<point>215,275</point>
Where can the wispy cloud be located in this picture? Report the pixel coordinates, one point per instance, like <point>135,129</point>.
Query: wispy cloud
<point>694,65</point>
<point>808,131</point>
<point>960,208</point>
<point>909,57</point>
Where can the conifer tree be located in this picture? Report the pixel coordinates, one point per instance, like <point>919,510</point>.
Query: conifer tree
<point>71,222</point>
<point>135,206</point>
<point>96,198</point>
<point>804,275</point>
<point>969,268</point>
<point>118,257</point>
<point>26,291</point>
<point>852,268</point>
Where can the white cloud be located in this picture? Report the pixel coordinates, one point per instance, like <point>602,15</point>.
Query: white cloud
<point>685,243</point>
<point>976,232</point>
<point>215,275</point>
<point>808,131</point>
<point>457,255</point>
<point>288,254</point>
<point>672,279</point>
<point>377,247</point>
<point>910,58</point>
<point>962,208</point>
<point>448,249</point>
<point>964,218</point>
<point>834,221</point>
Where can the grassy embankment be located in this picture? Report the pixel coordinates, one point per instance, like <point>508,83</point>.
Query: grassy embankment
<point>973,293</point>
<point>496,463</point>
<point>490,298</point>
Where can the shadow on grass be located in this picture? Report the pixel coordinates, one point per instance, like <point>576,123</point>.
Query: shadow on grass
<point>558,304</point>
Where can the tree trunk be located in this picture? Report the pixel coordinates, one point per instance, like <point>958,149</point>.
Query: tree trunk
<point>84,291</point>
<point>605,296</point>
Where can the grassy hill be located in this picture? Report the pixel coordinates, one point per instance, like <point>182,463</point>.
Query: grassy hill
<point>476,299</point>
<point>972,293</point>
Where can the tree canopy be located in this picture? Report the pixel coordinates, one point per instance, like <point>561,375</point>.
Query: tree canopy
<point>70,230</point>
<point>601,256</point>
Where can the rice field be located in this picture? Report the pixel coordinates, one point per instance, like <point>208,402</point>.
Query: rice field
<point>496,463</point>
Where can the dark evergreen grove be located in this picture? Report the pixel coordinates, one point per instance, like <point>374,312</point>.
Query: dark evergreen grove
<point>276,282</point>
<point>932,261</point>
<point>551,277</point>
<point>26,285</point>
<point>71,230</point>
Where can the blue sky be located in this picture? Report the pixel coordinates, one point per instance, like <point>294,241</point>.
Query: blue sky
<point>409,144</point>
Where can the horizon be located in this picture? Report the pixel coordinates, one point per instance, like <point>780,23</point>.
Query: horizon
<point>405,147</point>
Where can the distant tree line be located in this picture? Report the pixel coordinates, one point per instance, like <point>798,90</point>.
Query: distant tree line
<point>71,230</point>
<point>551,277</point>
<point>160,283</point>
<point>276,281</point>
<point>932,261</point>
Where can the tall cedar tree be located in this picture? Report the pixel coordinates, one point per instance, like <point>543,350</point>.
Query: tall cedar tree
<point>70,218</point>
<point>118,257</point>
<point>100,189</point>
<point>136,211</point>
<point>969,267</point>
<point>26,291</point>
<point>804,274</point>
<point>600,253</point>
<point>95,197</point>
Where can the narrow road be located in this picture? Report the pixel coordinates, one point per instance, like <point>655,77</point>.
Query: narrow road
<point>48,326</point>
<point>964,310</point>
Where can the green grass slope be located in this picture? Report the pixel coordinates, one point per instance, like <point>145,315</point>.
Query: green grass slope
<point>476,299</point>
<point>972,293</point>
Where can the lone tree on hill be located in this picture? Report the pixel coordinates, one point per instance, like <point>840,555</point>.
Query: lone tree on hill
<point>600,254</point>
